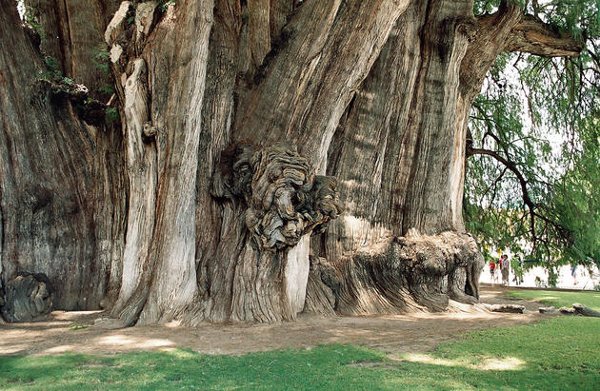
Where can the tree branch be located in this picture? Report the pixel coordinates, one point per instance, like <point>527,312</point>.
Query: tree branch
<point>533,36</point>
<point>531,206</point>
<point>513,168</point>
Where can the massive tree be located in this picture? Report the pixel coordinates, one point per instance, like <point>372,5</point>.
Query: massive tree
<point>269,157</point>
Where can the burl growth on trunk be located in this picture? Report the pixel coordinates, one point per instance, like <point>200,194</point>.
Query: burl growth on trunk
<point>279,201</point>
<point>284,199</point>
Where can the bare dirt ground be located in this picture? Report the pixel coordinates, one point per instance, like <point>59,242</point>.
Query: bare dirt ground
<point>76,332</point>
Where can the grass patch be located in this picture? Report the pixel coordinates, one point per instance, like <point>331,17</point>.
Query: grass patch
<point>326,367</point>
<point>557,354</point>
<point>558,298</point>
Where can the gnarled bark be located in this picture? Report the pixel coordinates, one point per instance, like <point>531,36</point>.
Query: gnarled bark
<point>60,181</point>
<point>274,200</point>
<point>411,273</point>
<point>27,297</point>
<point>273,156</point>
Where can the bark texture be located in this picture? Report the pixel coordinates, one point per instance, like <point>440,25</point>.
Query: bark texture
<point>60,181</point>
<point>28,297</point>
<point>272,156</point>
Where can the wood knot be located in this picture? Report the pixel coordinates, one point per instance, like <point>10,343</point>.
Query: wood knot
<point>149,132</point>
<point>284,199</point>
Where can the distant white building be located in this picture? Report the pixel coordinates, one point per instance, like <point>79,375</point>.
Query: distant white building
<point>582,278</point>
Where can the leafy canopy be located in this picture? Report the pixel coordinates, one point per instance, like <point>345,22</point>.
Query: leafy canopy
<point>542,116</point>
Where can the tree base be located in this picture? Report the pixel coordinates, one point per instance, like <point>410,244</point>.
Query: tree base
<point>399,275</point>
<point>28,297</point>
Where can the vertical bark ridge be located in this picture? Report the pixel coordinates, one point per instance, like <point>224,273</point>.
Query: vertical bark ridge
<point>177,58</point>
<point>142,169</point>
<point>301,82</point>
<point>428,207</point>
<point>390,189</point>
<point>373,157</point>
<point>259,30</point>
<point>222,90</point>
<point>49,193</point>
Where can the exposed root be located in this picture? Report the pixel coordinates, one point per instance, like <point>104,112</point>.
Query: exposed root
<point>28,297</point>
<point>412,273</point>
<point>580,309</point>
<point>509,308</point>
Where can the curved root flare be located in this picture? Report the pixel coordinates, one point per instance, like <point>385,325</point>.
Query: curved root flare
<point>411,273</point>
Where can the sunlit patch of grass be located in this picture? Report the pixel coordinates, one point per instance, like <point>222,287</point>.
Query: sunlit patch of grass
<point>558,298</point>
<point>481,363</point>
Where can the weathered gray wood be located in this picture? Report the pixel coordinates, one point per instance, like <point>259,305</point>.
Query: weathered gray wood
<point>577,309</point>
<point>510,308</point>
<point>548,310</point>
<point>162,188</point>
<point>580,309</point>
<point>28,297</point>
<point>567,311</point>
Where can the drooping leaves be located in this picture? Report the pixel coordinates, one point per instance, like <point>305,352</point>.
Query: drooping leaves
<point>539,115</point>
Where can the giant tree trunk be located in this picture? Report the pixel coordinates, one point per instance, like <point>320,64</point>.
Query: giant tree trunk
<point>61,184</point>
<point>273,157</point>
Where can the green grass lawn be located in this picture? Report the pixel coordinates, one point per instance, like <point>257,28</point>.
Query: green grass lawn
<point>560,353</point>
<point>558,298</point>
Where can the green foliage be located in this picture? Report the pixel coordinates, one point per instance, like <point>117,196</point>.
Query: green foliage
<point>164,4</point>
<point>91,110</point>
<point>52,64</point>
<point>106,89</point>
<point>558,354</point>
<point>576,197</point>
<point>101,60</point>
<point>540,114</point>
<point>552,277</point>
<point>112,115</point>
<point>53,72</point>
